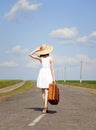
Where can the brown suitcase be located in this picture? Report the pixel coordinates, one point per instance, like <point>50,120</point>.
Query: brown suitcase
<point>53,94</point>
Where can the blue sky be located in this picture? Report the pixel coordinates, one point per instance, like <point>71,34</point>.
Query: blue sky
<point>68,25</point>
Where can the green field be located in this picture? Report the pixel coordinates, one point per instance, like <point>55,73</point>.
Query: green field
<point>6,83</point>
<point>28,85</point>
<point>85,83</point>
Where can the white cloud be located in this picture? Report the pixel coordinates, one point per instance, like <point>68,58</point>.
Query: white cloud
<point>88,39</point>
<point>22,5</point>
<point>69,36</point>
<point>82,39</point>
<point>93,34</point>
<point>66,33</point>
<point>8,64</point>
<point>18,49</point>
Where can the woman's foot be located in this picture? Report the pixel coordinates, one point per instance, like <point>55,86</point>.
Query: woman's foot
<point>45,110</point>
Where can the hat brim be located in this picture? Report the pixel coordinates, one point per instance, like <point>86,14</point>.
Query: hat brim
<point>46,51</point>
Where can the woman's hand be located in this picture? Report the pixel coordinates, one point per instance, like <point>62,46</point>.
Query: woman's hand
<point>54,82</point>
<point>37,49</point>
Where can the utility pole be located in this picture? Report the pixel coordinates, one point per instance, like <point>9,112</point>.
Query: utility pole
<point>81,72</point>
<point>65,73</point>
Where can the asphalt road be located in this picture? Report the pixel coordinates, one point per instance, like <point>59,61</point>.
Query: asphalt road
<point>75,111</point>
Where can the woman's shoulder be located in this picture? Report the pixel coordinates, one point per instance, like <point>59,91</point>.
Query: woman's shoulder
<point>50,59</point>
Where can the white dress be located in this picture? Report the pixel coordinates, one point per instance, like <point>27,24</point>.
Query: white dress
<point>45,75</point>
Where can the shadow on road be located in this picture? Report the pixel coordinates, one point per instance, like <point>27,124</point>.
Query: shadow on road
<point>40,109</point>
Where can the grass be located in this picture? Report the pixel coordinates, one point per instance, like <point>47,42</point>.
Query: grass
<point>6,83</point>
<point>28,85</point>
<point>86,83</point>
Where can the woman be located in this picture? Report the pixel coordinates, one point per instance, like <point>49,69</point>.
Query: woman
<point>46,74</point>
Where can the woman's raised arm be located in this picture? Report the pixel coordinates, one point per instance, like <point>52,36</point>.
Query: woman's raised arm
<point>31,54</point>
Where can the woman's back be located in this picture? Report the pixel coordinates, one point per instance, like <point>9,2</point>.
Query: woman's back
<point>46,62</point>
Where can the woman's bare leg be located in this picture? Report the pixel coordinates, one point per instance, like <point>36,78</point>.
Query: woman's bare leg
<point>46,98</point>
<point>45,101</point>
<point>43,95</point>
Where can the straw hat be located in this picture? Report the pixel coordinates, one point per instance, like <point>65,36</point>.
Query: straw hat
<point>44,49</point>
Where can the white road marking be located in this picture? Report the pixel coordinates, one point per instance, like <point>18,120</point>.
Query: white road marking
<point>36,120</point>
